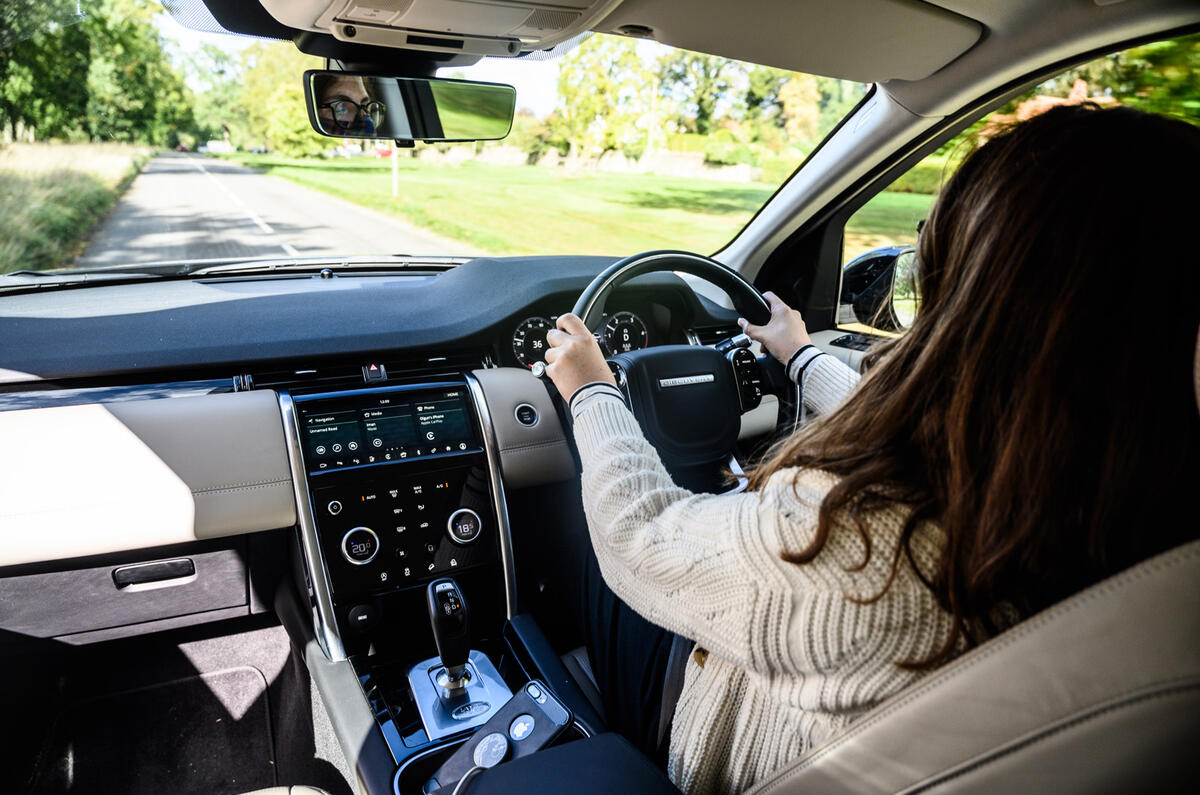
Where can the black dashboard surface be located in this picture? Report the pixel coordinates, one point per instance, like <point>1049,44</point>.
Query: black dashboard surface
<point>160,326</point>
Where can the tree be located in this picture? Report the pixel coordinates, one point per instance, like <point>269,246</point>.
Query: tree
<point>605,92</point>
<point>134,91</point>
<point>1162,77</point>
<point>218,112</point>
<point>801,100</point>
<point>761,100</point>
<point>288,130</point>
<point>34,62</point>
<point>104,76</point>
<point>264,69</point>
<point>698,82</point>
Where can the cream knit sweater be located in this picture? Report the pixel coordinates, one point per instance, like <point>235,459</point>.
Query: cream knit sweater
<point>783,659</point>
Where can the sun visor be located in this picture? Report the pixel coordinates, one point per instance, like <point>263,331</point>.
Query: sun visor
<point>865,41</point>
<point>504,28</point>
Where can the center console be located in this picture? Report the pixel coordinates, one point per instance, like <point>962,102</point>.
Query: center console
<point>402,523</point>
<point>398,488</point>
<point>400,501</point>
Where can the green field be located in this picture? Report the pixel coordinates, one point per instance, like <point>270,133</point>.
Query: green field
<point>531,210</point>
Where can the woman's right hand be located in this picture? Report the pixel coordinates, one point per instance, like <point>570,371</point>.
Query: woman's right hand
<point>784,333</point>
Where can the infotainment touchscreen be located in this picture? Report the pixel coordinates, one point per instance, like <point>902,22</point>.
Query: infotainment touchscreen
<point>376,427</point>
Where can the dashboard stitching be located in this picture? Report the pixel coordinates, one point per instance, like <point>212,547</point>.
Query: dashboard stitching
<point>532,445</point>
<point>247,487</point>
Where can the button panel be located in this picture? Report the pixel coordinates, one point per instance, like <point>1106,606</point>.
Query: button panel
<point>749,377</point>
<point>405,525</point>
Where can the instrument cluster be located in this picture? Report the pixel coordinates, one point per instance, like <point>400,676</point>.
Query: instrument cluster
<point>621,332</point>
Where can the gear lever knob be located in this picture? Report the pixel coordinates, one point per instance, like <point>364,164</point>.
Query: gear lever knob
<point>448,616</point>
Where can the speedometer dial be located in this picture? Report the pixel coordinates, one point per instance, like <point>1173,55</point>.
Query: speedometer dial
<point>529,340</point>
<point>625,332</point>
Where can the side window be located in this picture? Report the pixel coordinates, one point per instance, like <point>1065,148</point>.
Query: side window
<point>879,290</point>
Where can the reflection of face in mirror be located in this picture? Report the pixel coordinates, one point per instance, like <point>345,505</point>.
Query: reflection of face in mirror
<point>345,107</point>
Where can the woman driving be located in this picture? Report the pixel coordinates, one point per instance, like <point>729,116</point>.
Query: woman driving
<point>1018,443</point>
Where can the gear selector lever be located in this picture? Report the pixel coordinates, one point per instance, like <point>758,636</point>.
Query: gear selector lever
<point>449,617</point>
<point>460,688</point>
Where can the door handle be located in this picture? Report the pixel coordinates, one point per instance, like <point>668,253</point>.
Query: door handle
<point>159,574</point>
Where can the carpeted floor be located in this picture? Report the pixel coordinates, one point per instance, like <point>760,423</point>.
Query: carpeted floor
<point>209,733</point>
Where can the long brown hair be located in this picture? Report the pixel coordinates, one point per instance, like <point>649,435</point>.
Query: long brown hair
<point>1040,410</point>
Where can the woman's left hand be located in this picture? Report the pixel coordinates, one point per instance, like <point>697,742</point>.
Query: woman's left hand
<point>574,358</point>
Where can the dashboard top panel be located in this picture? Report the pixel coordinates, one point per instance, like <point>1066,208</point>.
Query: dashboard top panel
<point>156,326</point>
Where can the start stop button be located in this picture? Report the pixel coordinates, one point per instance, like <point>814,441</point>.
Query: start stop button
<point>464,526</point>
<point>526,415</point>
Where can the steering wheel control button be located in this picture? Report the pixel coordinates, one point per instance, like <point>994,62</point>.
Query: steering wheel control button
<point>334,507</point>
<point>748,375</point>
<point>464,526</point>
<point>526,415</point>
<point>360,546</point>
<point>521,727</point>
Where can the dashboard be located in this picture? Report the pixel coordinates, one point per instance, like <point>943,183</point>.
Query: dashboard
<point>160,331</point>
<point>185,451</point>
<point>383,414</point>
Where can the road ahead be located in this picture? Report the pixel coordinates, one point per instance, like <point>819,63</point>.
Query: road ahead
<point>185,206</point>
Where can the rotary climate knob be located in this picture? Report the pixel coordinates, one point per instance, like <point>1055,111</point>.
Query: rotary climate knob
<point>464,526</point>
<point>360,546</point>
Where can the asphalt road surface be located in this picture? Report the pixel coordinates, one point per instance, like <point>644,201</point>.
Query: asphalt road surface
<point>186,206</point>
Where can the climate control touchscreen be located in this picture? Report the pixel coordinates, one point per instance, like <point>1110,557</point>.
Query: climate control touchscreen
<point>393,426</point>
<point>400,487</point>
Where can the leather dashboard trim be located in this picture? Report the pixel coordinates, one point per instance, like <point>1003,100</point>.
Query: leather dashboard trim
<point>98,478</point>
<point>529,456</point>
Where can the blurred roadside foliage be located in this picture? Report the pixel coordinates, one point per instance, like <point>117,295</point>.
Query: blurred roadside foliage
<point>89,72</point>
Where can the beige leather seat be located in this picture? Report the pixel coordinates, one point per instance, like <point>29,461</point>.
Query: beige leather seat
<point>1100,693</point>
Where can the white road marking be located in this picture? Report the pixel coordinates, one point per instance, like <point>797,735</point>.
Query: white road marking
<point>288,248</point>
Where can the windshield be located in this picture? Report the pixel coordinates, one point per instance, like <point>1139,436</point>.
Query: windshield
<point>127,138</point>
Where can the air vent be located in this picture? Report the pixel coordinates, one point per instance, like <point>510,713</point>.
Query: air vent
<point>344,373</point>
<point>711,335</point>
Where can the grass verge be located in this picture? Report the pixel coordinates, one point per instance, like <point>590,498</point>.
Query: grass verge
<point>531,210</point>
<point>52,195</point>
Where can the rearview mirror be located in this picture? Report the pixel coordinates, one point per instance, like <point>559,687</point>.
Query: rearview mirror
<point>356,105</point>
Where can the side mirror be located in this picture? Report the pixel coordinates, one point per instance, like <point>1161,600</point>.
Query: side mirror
<point>358,105</point>
<point>879,289</point>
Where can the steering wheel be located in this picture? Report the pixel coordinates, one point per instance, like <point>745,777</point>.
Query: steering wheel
<point>687,398</point>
